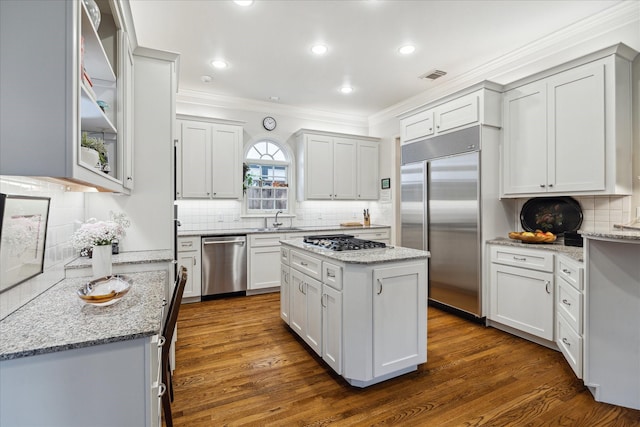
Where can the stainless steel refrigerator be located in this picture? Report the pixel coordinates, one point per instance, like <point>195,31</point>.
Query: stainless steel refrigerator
<point>440,212</point>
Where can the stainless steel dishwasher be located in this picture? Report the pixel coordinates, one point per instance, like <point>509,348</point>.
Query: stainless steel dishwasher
<point>224,265</point>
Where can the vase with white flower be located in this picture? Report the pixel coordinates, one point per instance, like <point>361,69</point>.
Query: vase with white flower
<point>99,236</point>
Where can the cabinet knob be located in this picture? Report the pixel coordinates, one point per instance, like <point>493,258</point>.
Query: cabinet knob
<point>550,185</point>
<point>542,185</point>
<point>129,178</point>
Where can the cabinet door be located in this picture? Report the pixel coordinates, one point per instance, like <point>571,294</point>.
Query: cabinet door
<point>195,159</point>
<point>318,167</point>
<point>226,161</point>
<point>457,113</point>
<point>344,172</point>
<point>399,318</point>
<point>285,292</point>
<point>367,167</point>
<point>576,133</point>
<point>417,126</point>
<point>191,261</point>
<point>522,299</point>
<point>524,157</point>
<point>570,344</point>
<point>332,327</point>
<point>313,324</point>
<point>125,120</point>
<point>298,302</point>
<point>264,267</point>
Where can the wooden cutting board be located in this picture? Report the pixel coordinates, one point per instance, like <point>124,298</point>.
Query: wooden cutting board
<point>351,224</point>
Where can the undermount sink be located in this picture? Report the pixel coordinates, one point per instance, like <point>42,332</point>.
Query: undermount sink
<point>277,229</point>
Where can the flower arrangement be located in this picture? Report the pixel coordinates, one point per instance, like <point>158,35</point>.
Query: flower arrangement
<point>100,233</point>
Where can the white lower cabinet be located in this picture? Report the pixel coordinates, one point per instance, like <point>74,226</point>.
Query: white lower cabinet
<point>367,321</point>
<point>114,384</point>
<point>570,311</point>
<point>189,255</point>
<point>264,261</point>
<point>285,285</point>
<point>521,290</point>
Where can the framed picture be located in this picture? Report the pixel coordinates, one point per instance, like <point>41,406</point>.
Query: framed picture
<point>385,183</point>
<point>23,230</point>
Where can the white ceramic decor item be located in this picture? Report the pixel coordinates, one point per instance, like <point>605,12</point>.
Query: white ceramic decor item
<point>101,261</point>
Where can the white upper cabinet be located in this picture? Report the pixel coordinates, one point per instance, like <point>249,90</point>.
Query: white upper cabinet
<point>479,104</point>
<point>568,132</point>
<point>47,105</point>
<point>335,166</point>
<point>209,159</point>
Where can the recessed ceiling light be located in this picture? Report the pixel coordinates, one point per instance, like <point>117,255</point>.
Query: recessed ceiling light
<point>206,79</point>
<point>319,49</point>
<point>346,89</point>
<point>407,49</point>
<point>219,63</point>
<point>243,3</point>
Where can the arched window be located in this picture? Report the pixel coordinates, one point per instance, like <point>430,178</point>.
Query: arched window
<point>267,177</point>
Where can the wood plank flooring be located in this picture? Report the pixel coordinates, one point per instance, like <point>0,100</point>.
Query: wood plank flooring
<point>239,365</point>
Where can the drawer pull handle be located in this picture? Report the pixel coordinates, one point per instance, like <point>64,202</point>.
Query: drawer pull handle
<point>566,342</point>
<point>161,341</point>
<point>162,389</point>
<point>546,286</point>
<point>519,259</point>
<point>380,288</point>
<point>330,274</point>
<point>304,264</point>
<point>565,302</point>
<point>565,271</point>
<point>322,300</point>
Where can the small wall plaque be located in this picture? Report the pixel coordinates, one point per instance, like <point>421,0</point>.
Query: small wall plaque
<point>385,183</point>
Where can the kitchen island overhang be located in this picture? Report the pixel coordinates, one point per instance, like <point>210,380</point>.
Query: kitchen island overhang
<point>364,312</point>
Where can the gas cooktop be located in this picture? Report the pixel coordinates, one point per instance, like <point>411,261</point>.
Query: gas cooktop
<point>342,242</point>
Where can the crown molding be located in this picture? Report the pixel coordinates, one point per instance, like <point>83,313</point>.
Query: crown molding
<point>204,99</point>
<point>520,62</point>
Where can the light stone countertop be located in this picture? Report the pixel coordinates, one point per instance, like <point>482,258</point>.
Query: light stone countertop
<point>622,235</point>
<point>301,229</point>
<point>363,256</point>
<point>136,257</point>
<point>575,253</point>
<point>58,319</point>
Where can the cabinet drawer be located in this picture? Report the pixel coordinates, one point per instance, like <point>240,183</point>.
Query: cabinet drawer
<point>267,239</point>
<point>188,244</point>
<point>570,344</point>
<point>284,255</point>
<point>332,275</point>
<point>383,234</point>
<point>571,271</point>
<point>569,303</point>
<point>527,258</point>
<point>308,265</point>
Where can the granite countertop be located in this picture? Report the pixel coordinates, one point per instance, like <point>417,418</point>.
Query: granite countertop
<point>576,253</point>
<point>136,257</point>
<point>309,228</point>
<point>59,320</point>
<point>625,235</point>
<point>365,256</point>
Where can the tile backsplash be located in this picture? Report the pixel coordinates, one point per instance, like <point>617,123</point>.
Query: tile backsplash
<point>198,215</point>
<point>66,211</point>
<point>599,213</point>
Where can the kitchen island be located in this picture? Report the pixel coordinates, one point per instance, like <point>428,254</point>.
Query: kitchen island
<point>66,363</point>
<point>363,311</point>
<point>612,313</point>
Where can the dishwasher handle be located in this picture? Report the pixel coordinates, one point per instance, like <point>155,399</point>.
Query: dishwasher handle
<point>224,242</point>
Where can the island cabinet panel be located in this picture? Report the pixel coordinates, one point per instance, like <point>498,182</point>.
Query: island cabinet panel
<point>398,339</point>
<point>367,320</point>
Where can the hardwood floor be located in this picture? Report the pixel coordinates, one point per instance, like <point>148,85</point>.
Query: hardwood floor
<point>238,364</point>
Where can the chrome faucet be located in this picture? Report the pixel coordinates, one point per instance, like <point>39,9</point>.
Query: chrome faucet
<point>277,224</point>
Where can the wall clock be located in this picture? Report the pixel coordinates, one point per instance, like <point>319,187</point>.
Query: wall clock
<point>269,123</point>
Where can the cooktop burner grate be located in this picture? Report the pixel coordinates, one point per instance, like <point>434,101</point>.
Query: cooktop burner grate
<point>342,242</point>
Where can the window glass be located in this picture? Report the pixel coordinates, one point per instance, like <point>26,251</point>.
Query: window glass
<point>267,178</point>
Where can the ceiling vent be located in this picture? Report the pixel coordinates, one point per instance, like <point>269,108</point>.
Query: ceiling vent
<point>433,74</point>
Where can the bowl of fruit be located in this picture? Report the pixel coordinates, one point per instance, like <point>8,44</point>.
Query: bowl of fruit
<point>537,236</point>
